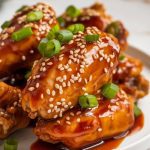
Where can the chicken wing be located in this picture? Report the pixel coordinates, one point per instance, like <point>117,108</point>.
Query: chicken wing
<point>128,76</point>
<point>81,67</point>
<point>21,54</point>
<point>97,16</point>
<point>78,128</point>
<point>12,117</point>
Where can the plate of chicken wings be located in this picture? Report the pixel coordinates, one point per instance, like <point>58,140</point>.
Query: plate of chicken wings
<point>71,81</point>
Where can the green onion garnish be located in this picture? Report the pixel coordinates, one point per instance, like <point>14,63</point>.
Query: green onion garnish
<point>34,16</point>
<point>64,36</point>
<point>10,144</point>
<point>113,28</point>
<point>92,38</point>
<point>72,11</point>
<point>49,48</point>
<point>137,111</point>
<point>27,75</point>
<point>22,8</point>
<point>121,57</point>
<point>52,32</point>
<point>22,34</point>
<point>75,28</point>
<point>88,101</point>
<point>110,90</point>
<point>61,21</point>
<point>6,24</point>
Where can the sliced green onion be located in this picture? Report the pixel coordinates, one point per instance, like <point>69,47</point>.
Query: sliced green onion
<point>34,16</point>
<point>92,38</point>
<point>22,8</point>
<point>6,24</point>
<point>27,75</point>
<point>22,34</point>
<point>72,11</point>
<point>88,101</point>
<point>121,57</point>
<point>49,48</point>
<point>75,28</point>
<point>61,21</point>
<point>10,144</point>
<point>110,90</point>
<point>137,111</point>
<point>52,32</point>
<point>113,28</point>
<point>64,36</point>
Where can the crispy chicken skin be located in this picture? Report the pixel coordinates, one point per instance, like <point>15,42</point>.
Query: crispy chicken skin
<point>12,117</point>
<point>78,128</point>
<point>81,67</point>
<point>97,16</point>
<point>128,76</point>
<point>15,55</point>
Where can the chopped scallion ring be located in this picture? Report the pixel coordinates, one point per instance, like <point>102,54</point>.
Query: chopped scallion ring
<point>6,24</point>
<point>88,101</point>
<point>34,16</point>
<point>28,73</point>
<point>52,32</point>
<point>10,144</point>
<point>49,48</point>
<point>113,28</point>
<point>92,38</point>
<point>64,36</point>
<point>72,11</point>
<point>121,57</point>
<point>22,8</point>
<point>22,34</point>
<point>110,90</point>
<point>75,28</point>
<point>137,111</point>
<point>61,21</point>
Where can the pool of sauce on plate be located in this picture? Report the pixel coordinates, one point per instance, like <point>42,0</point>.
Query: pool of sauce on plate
<point>102,145</point>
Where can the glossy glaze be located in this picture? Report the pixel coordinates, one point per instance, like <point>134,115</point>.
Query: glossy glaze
<point>16,55</point>
<point>80,68</point>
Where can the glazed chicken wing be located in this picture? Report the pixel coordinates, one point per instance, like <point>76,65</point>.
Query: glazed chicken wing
<point>97,16</point>
<point>81,67</point>
<point>21,54</point>
<point>12,117</point>
<point>128,76</point>
<point>79,127</point>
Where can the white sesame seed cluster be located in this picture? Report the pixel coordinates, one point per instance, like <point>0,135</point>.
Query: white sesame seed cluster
<point>41,27</point>
<point>72,70</point>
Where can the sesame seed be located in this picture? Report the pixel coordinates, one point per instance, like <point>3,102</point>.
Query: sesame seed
<point>48,91</point>
<point>42,96</point>
<point>51,99</point>
<point>53,93</point>
<point>49,111</point>
<point>51,105</point>
<point>63,99</point>
<point>69,103</point>
<point>67,118</point>
<point>78,120</point>
<point>58,103</point>
<point>37,85</point>
<point>72,114</point>
<point>58,121</point>
<point>55,116</point>
<point>68,122</point>
<point>31,89</point>
<point>99,129</point>
<point>23,58</point>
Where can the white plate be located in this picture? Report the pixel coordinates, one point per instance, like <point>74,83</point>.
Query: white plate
<point>137,141</point>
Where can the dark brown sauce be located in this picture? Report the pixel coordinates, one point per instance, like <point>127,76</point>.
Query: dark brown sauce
<point>102,145</point>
